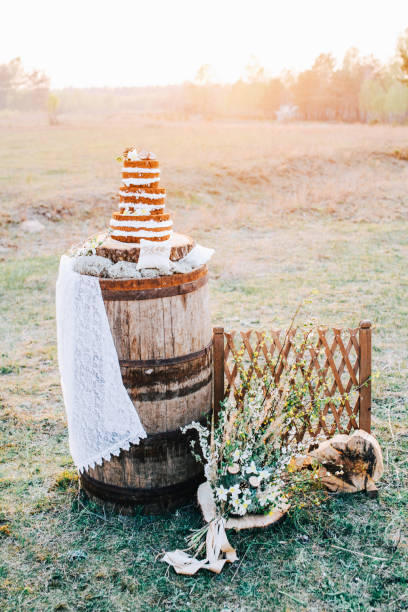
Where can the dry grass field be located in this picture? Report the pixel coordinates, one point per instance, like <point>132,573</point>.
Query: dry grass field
<point>295,210</point>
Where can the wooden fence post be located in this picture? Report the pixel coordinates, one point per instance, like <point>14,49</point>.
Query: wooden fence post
<point>365,375</point>
<point>218,365</point>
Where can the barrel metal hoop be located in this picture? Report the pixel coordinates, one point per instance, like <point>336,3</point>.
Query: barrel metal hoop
<point>151,363</point>
<point>137,284</point>
<point>151,294</point>
<point>169,394</point>
<point>131,495</point>
<point>175,435</point>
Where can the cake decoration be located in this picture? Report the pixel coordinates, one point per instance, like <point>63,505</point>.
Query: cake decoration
<point>134,155</point>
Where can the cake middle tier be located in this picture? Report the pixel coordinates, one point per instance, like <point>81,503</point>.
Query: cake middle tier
<point>131,228</point>
<point>153,196</point>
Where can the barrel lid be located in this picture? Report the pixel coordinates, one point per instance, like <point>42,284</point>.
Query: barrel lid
<point>150,288</point>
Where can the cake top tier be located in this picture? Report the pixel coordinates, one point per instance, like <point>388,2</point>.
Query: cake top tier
<point>134,154</point>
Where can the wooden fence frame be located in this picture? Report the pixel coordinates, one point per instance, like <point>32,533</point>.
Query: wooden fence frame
<point>364,372</point>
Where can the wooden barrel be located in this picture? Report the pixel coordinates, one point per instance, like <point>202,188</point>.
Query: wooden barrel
<point>162,332</point>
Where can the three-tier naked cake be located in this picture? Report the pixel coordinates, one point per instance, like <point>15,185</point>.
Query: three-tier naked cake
<point>141,201</point>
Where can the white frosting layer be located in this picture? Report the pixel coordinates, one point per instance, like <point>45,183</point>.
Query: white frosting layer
<point>141,170</point>
<point>151,224</point>
<point>142,194</point>
<point>140,181</point>
<point>142,209</point>
<point>142,234</point>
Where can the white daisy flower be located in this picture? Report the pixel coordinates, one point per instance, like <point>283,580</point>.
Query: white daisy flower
<point>222,493</point>
<point>243,507</point>
<point>251,469</point>
<point>235,503</point>
<point>234,490</point>
<point>236,455</point>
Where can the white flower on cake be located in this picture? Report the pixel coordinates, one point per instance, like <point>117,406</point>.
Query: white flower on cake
<point>135,155</point>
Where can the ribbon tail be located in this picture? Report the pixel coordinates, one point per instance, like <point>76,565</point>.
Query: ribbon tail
<point>183,563</point>
<point>226,548</point>
<point>219,551</point>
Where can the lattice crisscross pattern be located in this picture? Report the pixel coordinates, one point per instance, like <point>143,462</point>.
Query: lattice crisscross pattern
<point>328,357</point>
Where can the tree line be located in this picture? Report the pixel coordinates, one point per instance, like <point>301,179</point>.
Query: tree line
<point>356,89</point>
<point>20,89</point>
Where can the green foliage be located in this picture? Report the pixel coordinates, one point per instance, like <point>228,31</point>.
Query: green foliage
<point>382,103</point>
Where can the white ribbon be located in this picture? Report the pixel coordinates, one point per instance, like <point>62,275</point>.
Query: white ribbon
<point>218,552</point>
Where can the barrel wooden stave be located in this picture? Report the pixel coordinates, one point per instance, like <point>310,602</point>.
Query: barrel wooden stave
<point>163,340</point>
<point>137,336</point>
<point>161,462</point>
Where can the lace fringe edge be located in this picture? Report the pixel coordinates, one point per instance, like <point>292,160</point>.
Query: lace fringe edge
<point>112,451</point>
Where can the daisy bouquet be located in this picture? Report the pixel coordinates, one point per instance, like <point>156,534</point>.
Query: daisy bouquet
<point>254,450</point>
<point>247,453</point>
<point>250,451</point>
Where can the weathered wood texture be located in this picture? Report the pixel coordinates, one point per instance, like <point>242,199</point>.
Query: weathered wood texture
<point>350,463</point>
<point>125,251</point>
<point>219,358</point>
<point>340,360</point>
<point>164,346</point>
<point>365,375</point>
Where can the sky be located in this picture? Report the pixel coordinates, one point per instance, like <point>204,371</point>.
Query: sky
<point>87,43</point>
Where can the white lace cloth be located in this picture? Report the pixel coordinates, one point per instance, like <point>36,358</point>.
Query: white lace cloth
<point>101,417</point>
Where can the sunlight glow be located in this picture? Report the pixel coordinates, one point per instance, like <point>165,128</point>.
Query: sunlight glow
<point>136,42</point>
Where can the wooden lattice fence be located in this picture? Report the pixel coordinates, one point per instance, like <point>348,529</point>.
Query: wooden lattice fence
<point>340,359</point>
